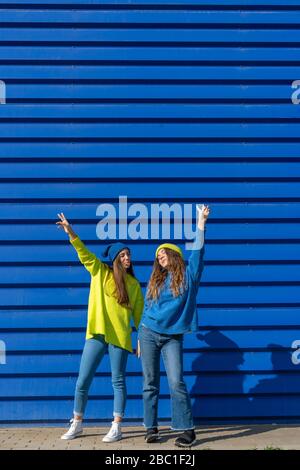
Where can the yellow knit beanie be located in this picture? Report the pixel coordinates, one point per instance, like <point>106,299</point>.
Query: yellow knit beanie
<point>171,247</point>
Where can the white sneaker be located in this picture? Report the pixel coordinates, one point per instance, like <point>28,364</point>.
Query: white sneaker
<point>114,434</point>
<point>74,430</point>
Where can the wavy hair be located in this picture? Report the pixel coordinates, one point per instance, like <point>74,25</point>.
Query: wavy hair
<point>176,267</point>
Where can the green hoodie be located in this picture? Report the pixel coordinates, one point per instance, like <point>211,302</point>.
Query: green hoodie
<point>105,316</point>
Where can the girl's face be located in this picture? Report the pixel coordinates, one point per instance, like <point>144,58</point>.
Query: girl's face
<point>125,258</point>
<point>162,258</point>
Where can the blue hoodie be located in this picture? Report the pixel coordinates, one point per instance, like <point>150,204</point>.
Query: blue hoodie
<point>177,315</point>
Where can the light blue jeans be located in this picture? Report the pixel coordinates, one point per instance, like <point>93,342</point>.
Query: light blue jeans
<point>93,352</point>
<point>152,344</point>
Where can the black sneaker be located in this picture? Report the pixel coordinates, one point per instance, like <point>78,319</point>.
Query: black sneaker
<point>152,435</point>
<point>186,439</point>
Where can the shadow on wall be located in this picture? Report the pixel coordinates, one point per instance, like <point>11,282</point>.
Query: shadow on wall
<point>224,355</point>
<point>284,382</point>
<point>275,395</point>
<point>229,394</point>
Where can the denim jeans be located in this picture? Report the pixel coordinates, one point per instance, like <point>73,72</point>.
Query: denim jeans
<point>93,352</point>
<point>171,347</point>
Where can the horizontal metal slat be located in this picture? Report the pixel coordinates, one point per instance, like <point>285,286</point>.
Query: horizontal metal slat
<point>240,232</point>
<point>148,92</point>
<point>151,54</point>
<point>140,35</point>
<point>153,150</point>
<point>103,171</point>
<point>227,340</point>
<point>147,111</point>
<point>220,361</point>
<point>215,295</point>
<point>215,274</point>
<point>208,407</point>
<point>214,318</point>
<point>150,131</point>
<point>142,190</point>
<point>83,213</point>
<point>57,253</point>
<point>149,72</point>
<point>211,384</point>
<point>202,17</point>
<point>153,3</point>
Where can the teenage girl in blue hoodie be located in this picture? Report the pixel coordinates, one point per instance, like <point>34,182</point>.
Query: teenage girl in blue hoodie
<point>170,311</point>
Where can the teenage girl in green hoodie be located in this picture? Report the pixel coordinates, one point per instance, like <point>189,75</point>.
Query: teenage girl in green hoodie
<point>115,298</point>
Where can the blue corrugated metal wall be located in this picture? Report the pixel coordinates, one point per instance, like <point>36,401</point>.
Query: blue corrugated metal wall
<point>167,101</point>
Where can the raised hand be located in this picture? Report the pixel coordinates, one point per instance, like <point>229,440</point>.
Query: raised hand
<point>63,223</point>
<point>203,213</point>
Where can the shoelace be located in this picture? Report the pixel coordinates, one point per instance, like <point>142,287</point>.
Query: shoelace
<point>73,425</point>
<point>114,429</point>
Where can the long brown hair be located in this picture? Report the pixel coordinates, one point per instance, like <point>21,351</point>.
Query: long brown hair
<point>119,273</point>
<point>176,267</point>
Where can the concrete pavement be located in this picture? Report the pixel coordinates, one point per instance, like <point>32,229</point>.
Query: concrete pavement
<point>221,437</point>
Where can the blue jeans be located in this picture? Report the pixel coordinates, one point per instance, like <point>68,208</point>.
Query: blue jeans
<point>152,344</point>
<point>93,352</point>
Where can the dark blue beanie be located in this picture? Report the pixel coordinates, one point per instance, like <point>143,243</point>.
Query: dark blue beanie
<point>112,250</point>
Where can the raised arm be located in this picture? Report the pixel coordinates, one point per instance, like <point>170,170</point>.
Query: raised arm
<point>86,257</point>
<point>196,263</point>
